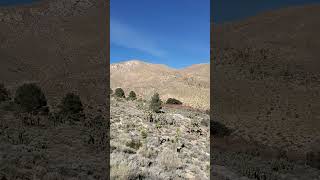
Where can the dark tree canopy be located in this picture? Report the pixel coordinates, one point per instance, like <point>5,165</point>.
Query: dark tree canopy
<point>119,93</point>
<point>30,97</point>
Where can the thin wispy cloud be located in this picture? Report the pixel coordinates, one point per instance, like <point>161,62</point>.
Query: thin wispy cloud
<point>126,36</point>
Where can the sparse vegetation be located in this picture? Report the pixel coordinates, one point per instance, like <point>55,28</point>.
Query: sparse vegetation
<point>120,171</point>
<point>173,101</point>
<point>134,143</point>
<point>71,104</point>
<point>119,93</point>
<point>132,96</point>
<point>169,159</point>
<point>219,130</point>
<point>144,133</point>
<point>156,103</point>
<point>313,159</point>
<point>4,93</point>
<point>30,97</point>
<point>158,141</point>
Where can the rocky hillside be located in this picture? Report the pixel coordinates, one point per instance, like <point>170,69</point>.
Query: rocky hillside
<point>190,85</point>
<point>169,145</point>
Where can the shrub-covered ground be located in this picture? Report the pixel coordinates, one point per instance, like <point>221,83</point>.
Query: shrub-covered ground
<point>52,147</point>
<point>147,145</point>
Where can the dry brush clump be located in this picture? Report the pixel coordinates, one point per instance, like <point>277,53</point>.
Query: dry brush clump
<point>4,93</point>
<point>169,160</point>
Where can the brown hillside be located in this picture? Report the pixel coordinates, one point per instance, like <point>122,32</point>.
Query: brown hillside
<point>266,79</point>
<point>190,85</point>
<point>59,44</point>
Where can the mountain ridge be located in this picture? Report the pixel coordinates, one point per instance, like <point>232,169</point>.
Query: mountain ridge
<point>146,78</point>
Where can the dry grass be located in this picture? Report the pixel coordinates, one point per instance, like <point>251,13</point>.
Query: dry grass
<point>169,160</point>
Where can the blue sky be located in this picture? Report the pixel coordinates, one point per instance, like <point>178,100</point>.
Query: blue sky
<point>230,10</point>
<point>171,32</point>
<point>12,2</point>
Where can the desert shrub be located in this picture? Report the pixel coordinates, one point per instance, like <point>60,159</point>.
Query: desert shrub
<point>144,133</point>
<point>4,93</point>
<point>30,97</point>
<point>55,118</point>
<point>135,144</point>
<point>132,95</point>
<point>71,104</point>
<point>119,93</point>
<point>169,159</point>
<point>313,160</point>
<point>281,165</point>
<point>120,171</point>
<point>205,122</point>
<point>156,103</point>
<point>173,101</point>
<point>219,130</point>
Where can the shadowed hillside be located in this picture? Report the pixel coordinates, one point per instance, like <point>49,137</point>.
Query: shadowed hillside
<point>59,44</point>
<point>58,48</point>
<point>266,79</point>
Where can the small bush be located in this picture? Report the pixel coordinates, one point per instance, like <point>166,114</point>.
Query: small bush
<point>169,159</point>
<point>4,93</point>
<point>71,104</point>
<point>120,171</point>
<point>111,91</point>
<point>144,134</point>
<point>219,130</point>
<point>119,93</point>
<point>132,96</point>
<point>173,101</point>
<point>313,159</point>
<point>205,122</point>
<point>156,103</point>
<point>30,97</point>
<point>135,144</point>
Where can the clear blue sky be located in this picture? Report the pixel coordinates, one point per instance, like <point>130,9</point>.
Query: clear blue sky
<point>172,32</point>
<point>230,10</point>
